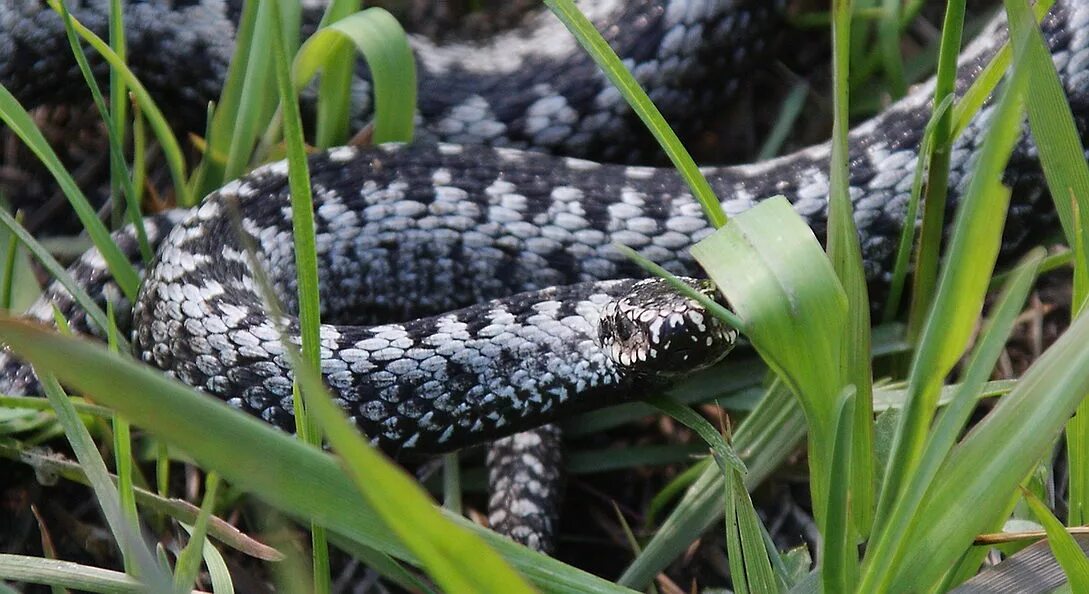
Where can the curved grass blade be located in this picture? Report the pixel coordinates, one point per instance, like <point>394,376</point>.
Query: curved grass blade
<point>218,572</point>
<point>724,454</point>
<point>119,174</point>
<point>171,150</point>
<point>781,284</point>
<point>610,64</point>
<point>382,41</point>
<point>334,92</point>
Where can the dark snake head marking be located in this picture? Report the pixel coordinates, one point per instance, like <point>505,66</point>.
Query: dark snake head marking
<point>652,331</point>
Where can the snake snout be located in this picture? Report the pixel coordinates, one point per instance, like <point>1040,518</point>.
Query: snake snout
<point>654,331</point>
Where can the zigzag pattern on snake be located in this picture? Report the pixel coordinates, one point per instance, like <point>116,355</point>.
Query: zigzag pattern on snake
<point>410,232</point>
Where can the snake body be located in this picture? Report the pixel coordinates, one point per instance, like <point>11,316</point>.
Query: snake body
<point>494,264</point>
<point>531,87</point>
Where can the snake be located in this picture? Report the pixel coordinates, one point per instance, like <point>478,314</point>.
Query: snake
<point>470,285</point>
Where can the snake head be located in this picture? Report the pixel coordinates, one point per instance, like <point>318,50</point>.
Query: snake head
<point>653,331</point>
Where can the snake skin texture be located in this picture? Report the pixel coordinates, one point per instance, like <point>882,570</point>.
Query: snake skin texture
<point>438,237</point>
<point>524,485</point>
<point>531,87</point>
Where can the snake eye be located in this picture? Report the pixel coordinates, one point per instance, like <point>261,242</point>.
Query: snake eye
<point>624,328</point>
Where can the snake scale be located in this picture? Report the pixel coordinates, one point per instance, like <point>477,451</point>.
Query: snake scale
<point>470,288</point>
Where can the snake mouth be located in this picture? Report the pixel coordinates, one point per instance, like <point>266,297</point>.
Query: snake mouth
<point>652,331</point>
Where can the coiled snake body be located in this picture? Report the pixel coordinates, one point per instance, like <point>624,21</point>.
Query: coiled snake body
<point>412,233</point>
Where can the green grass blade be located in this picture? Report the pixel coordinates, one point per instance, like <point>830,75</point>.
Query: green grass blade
<point>210,174</point>
<point>20,122</point>
<point>614,70</point>
<point>122,449</point>
<point>846,256</point>
<point>119,101</point>
<point>1051,121</point>
<point>788,114</point>
<point>457,559</point>
<point>105,491</point>
<point>306,265</point>
<point>731,383</point>
<point>171,151</point>
<point>907,234</point>
<point>334,93</point>
<point>759,552</point>
<point>11,256</point>
<point>119,174</point>
<point>839,566</point>
<point>1065,548</point>
<point>218,572</point>
<point>302,219</point>
<point>57,271</point>
<point>382,41</point>
<point>988,80</point>
<point>1063,160</point>
<point>937,184</point>
<point>1077,430</point>
<point>724,455</point>
<point>188,564</point>
<point>735,550</point>
<point>36,570</point>
<point>717,309</point>
<point>256,101</point>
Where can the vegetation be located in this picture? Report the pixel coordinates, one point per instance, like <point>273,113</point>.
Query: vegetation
<point>916,494</point>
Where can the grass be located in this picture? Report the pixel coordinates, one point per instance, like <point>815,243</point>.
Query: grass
<point>917,507</point>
